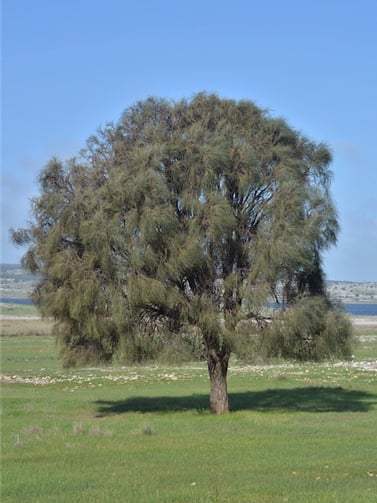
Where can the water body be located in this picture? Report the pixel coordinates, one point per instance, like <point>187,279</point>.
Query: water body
<point>17,300</point>
<point>354,309</point>
<point>361,309</point>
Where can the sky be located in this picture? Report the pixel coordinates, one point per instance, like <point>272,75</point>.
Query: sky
<point>69,67</point>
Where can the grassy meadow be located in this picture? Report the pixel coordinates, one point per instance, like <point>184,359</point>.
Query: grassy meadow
<point>19,310</point>
<point>297,432</point>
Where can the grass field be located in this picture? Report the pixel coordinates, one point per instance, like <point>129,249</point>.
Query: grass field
<point>296,433</point>
<point>12,309</point>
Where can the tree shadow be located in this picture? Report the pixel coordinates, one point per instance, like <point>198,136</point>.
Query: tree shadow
<point>308,399</point>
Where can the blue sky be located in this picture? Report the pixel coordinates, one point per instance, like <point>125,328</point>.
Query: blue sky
<point>70,66</point>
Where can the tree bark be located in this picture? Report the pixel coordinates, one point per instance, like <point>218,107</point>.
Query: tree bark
<point>217,369</point>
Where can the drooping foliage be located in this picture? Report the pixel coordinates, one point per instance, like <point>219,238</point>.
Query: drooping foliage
<point>308,330</point>
<point>181,216</point>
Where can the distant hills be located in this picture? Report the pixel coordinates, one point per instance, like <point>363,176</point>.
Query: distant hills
<point>350,292</point>
<point>16,282</point>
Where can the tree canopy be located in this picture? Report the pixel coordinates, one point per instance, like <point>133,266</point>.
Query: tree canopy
<point>182,214</point>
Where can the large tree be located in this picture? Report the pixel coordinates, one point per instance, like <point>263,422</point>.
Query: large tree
<point>186,214</point>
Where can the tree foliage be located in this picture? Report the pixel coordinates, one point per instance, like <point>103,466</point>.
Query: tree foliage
<point>308,331</point>
<point>181,216</point>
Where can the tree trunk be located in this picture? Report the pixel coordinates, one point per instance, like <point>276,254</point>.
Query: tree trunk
<point>217,369</point>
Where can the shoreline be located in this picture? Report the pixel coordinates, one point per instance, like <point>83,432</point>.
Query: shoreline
<point>363,321</point>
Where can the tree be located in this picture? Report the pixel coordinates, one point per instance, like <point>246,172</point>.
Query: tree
<point>186,214</point>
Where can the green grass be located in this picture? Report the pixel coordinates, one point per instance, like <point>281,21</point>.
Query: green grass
<point>12,309</point>
<point>366,343</point>
<point>143,434</point>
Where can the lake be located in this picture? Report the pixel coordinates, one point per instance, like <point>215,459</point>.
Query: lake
<point>15,300</point>
<point>354,309</point>
<point>361,309</point>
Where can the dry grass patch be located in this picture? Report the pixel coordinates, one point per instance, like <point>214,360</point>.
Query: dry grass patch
<point>25,326</point>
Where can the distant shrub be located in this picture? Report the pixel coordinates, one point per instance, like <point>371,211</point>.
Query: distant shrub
<point>79,356</point>
<point>79,348</point>
<point>337,336</point>
<point>188,346</point>
<point>142,346</point>
<point>246,343</point>
<point>309,330</point>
